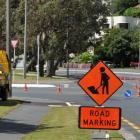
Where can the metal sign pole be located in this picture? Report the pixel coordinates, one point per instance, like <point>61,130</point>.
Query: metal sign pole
<point>14,64</point>
<point>38,46</point>
<point>139,51</point>
<point>8,50</point>
<point>14,54</point>
<point>25,40</point>
<point>8,28</point>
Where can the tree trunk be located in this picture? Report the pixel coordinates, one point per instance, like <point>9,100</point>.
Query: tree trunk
<point>50,68</point>
<point>31,65</point>
<point>41,68</point>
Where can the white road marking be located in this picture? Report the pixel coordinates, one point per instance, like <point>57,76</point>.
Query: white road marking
<point>76,105</point>
<point>66,85</point>
<point>68,104</point>
<point>132,73</point>
<point>33,85</point>
<point>55,105</point>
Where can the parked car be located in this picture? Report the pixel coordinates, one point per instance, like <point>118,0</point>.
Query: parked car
<point>134,64</point>
<point>110,64</point>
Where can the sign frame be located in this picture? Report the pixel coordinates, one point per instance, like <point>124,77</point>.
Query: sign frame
<point>100,104</point>
<point>102,128</point>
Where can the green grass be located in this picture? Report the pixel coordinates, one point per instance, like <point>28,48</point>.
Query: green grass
<point>62,124</point>
<point>7,106</point>
<point>115,135</point>
<point>31,77</point>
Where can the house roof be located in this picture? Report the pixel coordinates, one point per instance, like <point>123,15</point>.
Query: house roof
<point>138,6</point>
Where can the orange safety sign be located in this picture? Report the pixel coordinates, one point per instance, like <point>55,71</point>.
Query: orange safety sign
<point>100,83</point>
<point>100,118</point>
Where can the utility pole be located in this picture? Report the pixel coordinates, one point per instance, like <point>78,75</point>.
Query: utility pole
<point>111,13</point>
<point>139,51</point>
<point>67,53</point>
<point>8,28</point>
<point>38,48</point>
<point>67,42</point>
<point>8,43</point>
<point>25,40</point>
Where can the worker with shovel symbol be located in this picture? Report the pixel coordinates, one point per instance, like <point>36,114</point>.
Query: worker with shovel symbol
<point>104,80</point>
<point>103,83</point>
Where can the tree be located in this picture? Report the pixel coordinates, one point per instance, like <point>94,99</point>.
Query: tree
<point>120,46</point>
<point>121,5</point>
<point>132,11</point>
<point>68,25</point>
<point>2,24</point>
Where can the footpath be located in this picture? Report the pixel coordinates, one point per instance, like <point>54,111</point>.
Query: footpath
<point>21,121</point>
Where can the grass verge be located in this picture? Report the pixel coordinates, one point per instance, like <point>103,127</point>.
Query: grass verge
<point>62,124</point>
<point>7,106</point>
<point>32,78</point>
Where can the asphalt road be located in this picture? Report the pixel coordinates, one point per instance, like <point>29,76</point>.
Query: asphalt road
<point>71,94</point>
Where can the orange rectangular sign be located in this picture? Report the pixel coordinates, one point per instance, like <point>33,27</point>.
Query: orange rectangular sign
<point>100,117</point>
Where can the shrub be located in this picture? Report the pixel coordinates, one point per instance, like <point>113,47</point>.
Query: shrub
<point>135,12</point>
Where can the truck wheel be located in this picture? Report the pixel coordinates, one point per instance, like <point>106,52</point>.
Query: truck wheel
<point>4,94</point>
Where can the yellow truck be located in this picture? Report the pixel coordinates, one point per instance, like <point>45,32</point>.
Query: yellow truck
<point>5,76</point>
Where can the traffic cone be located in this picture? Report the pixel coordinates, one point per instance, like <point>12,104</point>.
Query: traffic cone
<point>59,89</point>
<point>135,87</point>
<point>138,94</point>
<point>25,87</point>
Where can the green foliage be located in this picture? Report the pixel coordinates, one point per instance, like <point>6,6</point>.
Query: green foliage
<point>72,22</point>
<point>14,3</point>
<point>67,25</point>
<point>120,46</point>
<point>2,23</point>
<point>94,59</point>
<point>121,5</point>
<point>135,12</point>
<point>85,57</point>
<point>63,22</point>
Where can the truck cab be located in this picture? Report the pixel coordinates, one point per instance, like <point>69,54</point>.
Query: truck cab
<point>5,76</point>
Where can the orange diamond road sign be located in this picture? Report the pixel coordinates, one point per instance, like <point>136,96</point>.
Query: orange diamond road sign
<point>100,118</point>
<point>100,83</point>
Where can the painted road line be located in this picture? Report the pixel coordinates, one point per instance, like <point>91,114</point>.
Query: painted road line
<point>55,105</point>
<point>131,73</point>
<point>76,105</point>
<point>33,85</point>
<point>66,85</point>
<point>68,104</point>
<point>134,126</point>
